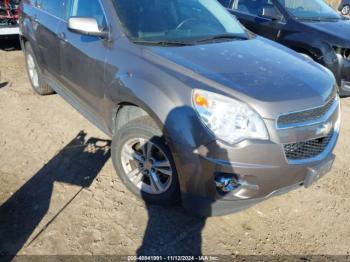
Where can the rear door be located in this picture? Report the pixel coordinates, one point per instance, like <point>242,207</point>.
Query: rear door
<point>249,13</point>
<point>46,20</point>
<point>83,59</point>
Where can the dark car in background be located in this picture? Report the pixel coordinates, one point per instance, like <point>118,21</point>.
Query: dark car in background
<point>310,27</point>
<point>194,115</point>
<point>344,7</point>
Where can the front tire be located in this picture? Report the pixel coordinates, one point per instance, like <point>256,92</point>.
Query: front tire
<point>34,73</point>
<point>144,162</point>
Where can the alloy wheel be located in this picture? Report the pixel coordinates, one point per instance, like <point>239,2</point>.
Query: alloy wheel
<point>32,70</point>
<point>147,166</point>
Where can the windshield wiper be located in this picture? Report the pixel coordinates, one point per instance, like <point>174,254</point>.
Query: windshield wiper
<point>223,36</point>
<point>182,43</point>
<point>309,18</point>
<point>330,18</point>
<point>162,43</point>
<point>319,19</point>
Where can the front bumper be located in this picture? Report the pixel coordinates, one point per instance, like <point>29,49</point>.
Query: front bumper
<point>261,167</point>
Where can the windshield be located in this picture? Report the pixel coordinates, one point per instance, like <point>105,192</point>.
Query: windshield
<point>309,9</point>
<point>176,20</point>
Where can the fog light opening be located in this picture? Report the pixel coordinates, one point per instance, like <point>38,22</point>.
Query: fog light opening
<point>226,183</point>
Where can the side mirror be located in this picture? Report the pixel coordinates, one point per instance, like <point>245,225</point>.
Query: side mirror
<point>86,26</point>
<point>270,12</point>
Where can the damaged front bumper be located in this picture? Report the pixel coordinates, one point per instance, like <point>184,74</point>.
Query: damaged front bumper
<point>339,63</point>
<point>262,169</point>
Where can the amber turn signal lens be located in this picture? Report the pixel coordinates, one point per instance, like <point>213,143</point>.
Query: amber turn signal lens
<point>201,101</point>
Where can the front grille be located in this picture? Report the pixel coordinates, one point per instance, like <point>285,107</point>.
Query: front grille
<point>306,115</point>
<point>307,149</point>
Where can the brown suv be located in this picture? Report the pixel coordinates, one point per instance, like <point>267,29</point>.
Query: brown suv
<point>199,109</point>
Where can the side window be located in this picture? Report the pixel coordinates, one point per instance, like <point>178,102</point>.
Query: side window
<point>54,7</point>
<point>253,7</point>
<point>87,8</point>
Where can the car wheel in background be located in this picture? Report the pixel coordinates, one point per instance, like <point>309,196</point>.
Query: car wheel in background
<point>345,10</point>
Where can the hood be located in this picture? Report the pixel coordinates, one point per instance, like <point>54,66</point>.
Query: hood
<point>269,77</point>
<point>339,31</point>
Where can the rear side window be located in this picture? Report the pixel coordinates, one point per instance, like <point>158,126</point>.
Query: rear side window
<point>54,7</point>
<point>87,8</point>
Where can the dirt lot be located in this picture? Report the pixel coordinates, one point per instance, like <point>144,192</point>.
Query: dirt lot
<point>334,3</point>
<point>60,195</point>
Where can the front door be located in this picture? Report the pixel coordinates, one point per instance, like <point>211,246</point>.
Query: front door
<point>83,58</point>
<point>46,20</point>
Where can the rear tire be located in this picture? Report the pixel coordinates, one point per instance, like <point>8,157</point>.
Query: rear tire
<point>345,10</point>
<point>34,73</point>
<point>144,162</point>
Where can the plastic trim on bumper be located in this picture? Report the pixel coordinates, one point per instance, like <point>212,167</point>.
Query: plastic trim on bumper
<point>203,207</point>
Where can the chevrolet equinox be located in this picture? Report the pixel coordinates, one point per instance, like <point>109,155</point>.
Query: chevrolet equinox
<point>199,109</point>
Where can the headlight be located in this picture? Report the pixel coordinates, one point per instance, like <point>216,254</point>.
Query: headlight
<point>230,120</point>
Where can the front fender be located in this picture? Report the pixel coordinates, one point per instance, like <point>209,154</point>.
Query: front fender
<point>171,109</point>
<point>313,44</point>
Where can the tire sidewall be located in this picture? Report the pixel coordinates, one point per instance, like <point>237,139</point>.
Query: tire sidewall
<point>29,50</point>
<point>169,197</point>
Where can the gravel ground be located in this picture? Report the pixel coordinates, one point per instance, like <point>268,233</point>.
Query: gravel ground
<point>60,195</point>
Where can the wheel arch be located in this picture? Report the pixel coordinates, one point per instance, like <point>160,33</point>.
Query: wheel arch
<point>125,112</point>
<point>129,97</point>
